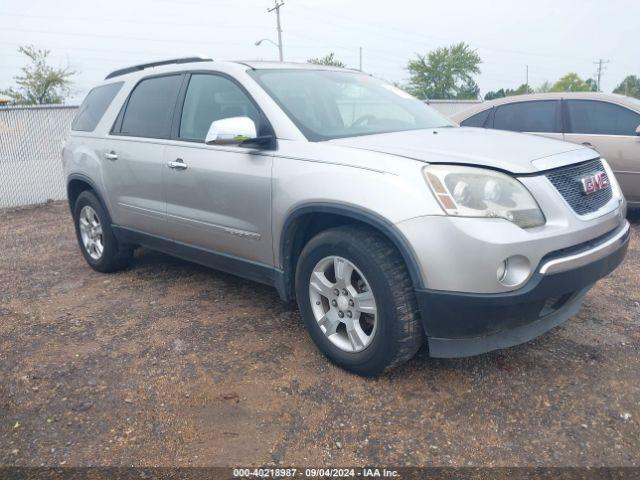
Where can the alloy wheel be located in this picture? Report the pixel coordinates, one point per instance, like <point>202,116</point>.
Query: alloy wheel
<point>343,304</point>
<point>91,232</point>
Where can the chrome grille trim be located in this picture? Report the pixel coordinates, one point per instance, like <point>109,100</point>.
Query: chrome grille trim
<point>567,181</point>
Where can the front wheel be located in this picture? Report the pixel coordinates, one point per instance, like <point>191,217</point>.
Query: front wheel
<point>357,301</point>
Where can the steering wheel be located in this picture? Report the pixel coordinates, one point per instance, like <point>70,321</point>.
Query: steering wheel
<point>362,119</point>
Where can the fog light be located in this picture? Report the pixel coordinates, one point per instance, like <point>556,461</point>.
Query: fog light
<point>514,271</point>
<point>502,270</point>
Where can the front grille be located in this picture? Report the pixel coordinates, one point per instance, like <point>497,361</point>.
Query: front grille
<point>567,181</point>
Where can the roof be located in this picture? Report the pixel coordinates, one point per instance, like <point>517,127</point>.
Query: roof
<point>266,65</point>
<point>207,63</point>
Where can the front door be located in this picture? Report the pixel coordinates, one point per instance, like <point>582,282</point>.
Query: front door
<point>610,129</point>
<point>218,197</point>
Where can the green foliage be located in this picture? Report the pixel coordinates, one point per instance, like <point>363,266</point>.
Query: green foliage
<point>544,87</point>
<point>446,72</point>
<point>521,90</point>
<point>571,82</point>
<point>630,87</point>
<point>593,85</point>
<point>39,82</point>
<point>329,59</point>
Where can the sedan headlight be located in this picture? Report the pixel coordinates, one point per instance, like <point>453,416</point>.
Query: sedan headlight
<point>479,192</point>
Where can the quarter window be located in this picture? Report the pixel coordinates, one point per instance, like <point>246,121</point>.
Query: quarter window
<point>477,120</point>
<point>94,106</point>
<point>150,107</point>
<point>600,118</point>
<point>210,98</point>
<point>539,116</point>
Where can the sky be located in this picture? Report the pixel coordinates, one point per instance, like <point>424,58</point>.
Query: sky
<point>552,38</point>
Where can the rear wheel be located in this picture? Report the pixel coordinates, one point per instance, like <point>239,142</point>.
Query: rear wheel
<point>95,237</point>
<point>357,301</point>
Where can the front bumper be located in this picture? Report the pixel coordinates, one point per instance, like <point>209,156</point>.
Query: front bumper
<point>464,324</point>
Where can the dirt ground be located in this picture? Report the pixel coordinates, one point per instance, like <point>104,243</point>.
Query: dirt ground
<point>171,364</point>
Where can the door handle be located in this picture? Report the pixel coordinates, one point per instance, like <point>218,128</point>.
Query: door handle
<point>587,144</point>
<point>178,164</point>
<point>111,155</point>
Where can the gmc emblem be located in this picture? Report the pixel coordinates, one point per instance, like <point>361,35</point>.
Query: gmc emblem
<point>595,182</point>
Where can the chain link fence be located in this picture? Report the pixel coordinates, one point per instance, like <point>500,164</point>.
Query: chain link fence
<point>30,153</point>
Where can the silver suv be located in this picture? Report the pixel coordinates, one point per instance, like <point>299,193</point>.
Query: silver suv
<point>386,223</point>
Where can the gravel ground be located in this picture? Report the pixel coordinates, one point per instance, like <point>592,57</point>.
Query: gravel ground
<point>171,364</point>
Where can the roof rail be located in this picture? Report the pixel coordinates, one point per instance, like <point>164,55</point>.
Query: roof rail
<point>136,68</point>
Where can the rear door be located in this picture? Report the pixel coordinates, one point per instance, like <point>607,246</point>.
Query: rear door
<point>219,199</point>
<point>610,129</point>
<point>540,117</point>
<point>134,155</point>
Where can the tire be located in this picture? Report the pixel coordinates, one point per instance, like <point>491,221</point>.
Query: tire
<point>111,257</point>
<point>397,332</point>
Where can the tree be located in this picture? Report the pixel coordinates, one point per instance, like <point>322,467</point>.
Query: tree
<point>544,87</point>
<point>571,82</point>
<point>521,90</point>
<point>446,72</point>
<point>630,87</point>
<point>40,83</point>
<point>497,94</point>
<point>329,59</point>
<point>593,85</point>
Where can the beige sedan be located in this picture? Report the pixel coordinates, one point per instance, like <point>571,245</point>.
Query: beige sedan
<point>608,123</point>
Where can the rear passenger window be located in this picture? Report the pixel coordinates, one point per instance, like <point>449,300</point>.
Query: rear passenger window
<point>210,98</point>
<point>477,120</point>
<point>94,106</point>
<point>150,107</point>
<point>539,116</point>
<point>601,118</point>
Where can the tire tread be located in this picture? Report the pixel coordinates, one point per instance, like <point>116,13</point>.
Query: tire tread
<point>410,333</point>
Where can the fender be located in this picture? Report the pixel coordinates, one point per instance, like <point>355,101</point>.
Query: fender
<point>387,228</point>
<point>92,184</point>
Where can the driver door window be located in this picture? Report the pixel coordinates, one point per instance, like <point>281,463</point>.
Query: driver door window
<point>609,129</point>
<point>600,118</point>
<point>210,98</point>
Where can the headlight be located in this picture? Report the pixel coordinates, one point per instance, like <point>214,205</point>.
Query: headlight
<point>479,192</point>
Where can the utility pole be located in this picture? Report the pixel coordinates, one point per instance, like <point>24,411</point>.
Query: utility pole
<point>600,63</point>
<point>527,82</point>
<point>277,9</point>
<point>360,55</point>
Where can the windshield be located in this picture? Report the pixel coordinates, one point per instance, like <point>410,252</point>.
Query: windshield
<point>328,104</point>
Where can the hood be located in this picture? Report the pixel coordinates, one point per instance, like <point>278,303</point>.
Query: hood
<point>513,152</point>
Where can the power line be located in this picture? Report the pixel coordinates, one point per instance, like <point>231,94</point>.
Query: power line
<point>208,26</point>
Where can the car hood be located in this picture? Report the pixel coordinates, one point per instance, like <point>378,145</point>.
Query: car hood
<point>513,152</point>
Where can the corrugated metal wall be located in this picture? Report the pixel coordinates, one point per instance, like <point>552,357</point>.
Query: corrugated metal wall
<point>451,107</point>
<point>30,153</point>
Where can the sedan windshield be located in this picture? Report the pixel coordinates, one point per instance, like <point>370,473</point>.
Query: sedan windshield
<point>327,104</point>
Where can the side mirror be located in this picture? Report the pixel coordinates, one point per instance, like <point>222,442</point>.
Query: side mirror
<point>231,131</point>
<point>638,130</point>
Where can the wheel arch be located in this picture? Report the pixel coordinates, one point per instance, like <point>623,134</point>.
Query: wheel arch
<point>78,183</point>
<point>307,220</point>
